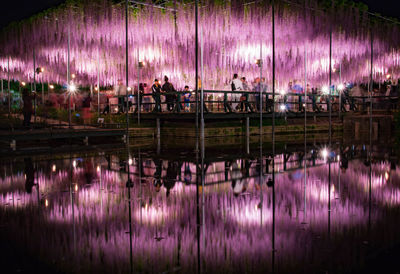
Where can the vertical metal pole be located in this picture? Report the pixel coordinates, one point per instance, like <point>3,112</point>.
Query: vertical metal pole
<point>9,90</point>
<point>138,85</point>
<point>305,132</point>
<point>202,87</point>
<point>261,90</point>
<point>340,91</point>
<point>273,135</point>
<point>370,96</point>
<point>330,81</point>
<point>2,91</point>
<point>68,80</point>
<point>197,60</point>
<point>34,85</point>
<point>98,84</point>
<point>126,68</point>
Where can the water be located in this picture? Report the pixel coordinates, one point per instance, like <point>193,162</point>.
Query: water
<point>73,212</point>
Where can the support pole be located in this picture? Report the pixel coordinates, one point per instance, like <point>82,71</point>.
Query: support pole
<point>340,91</point>
<point>196,11</point>
<point>330,82</point>
<point>98,84</point>
<point>9,89</point>
<point>202,88</point>
<point>273,136</point>
<point>34,85</point>
<point>126,68</point>
<point>138,86</point>
<point>68,80</point>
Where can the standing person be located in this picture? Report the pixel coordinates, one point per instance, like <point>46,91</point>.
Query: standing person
<point>169,90</point>
<point>156,93</point>
<point>237,85</point>
<point>139,97</point>
<point>27,107</point>
<point>86,108</point>
<point>244,99</point>
<point>186,98</point>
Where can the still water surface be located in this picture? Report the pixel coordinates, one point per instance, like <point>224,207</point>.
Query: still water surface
<point>78,212</point>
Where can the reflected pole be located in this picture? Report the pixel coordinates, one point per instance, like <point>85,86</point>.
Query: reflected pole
<point>305,133</point>
<point>9,90</point>
<point>138,86</point>
<point>273,136</point>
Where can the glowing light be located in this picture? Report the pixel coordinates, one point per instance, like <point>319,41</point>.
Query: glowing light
<point>388,76</point>
<point>130,161</point>
<point>53,168</point>
<point>96,88</point>
<point>51,86</point>
<point>324,153</point>
<point>387,176</point>
<point>74,163</point>
<point>73,76</point>
<point>129,88</point>
<point>42,69</point>
<point>338,157</point>
<point>76,188</point>
<point>283,92</point>
<point>340,87</point>
<point>282,107</point>
<point>98,168</point>
<point>325,90</point>
<point>72,88</point>
<point>116,109</point>
<point>23,84</point>
<point>46,203</point>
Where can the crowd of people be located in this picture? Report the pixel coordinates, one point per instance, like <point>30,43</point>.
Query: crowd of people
<point>243,96</point>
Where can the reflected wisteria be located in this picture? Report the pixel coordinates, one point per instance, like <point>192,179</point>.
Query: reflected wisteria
<point>75,210</point>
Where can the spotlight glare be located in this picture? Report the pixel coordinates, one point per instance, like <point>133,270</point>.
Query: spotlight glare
<point>340,87</point>
<point>51,86</point>
<point>325,89</point>
<point>324,153</point>
<point>72,88</point>
<point>282,107</point>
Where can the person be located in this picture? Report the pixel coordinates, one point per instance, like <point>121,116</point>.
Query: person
<point>256,90</point>
<point>187,174</point>
<point>178,104</point>
<point>244,99</point>
<point>156,93</point>
<point>106,109</point>
<point>315,107</point>
<point>120,90</point>
<point>186,98</point>
<point>86,109</point>
<point>173,171</point>
<point>157,174</point>
<point>140,94</point>
<point>29,175</point>
<point>27,99</point>
<point>169,90</point>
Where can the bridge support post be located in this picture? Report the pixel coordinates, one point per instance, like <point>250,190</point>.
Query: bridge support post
<point>248,135</point>
<point>158,135</point>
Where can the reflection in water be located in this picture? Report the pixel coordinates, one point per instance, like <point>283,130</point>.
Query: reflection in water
<point>85,207</point>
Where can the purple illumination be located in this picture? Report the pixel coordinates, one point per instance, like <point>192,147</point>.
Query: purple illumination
<point>232,37</point>
<point>83,216</point>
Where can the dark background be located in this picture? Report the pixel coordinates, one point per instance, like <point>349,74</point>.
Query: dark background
<point>15,10</point>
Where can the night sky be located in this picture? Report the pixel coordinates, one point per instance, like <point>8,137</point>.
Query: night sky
<point>17,10</point>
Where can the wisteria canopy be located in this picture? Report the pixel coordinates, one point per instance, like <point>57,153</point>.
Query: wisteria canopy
<point>163,35</point>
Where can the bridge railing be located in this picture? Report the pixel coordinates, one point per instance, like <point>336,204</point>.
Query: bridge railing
<point>247,101</point>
